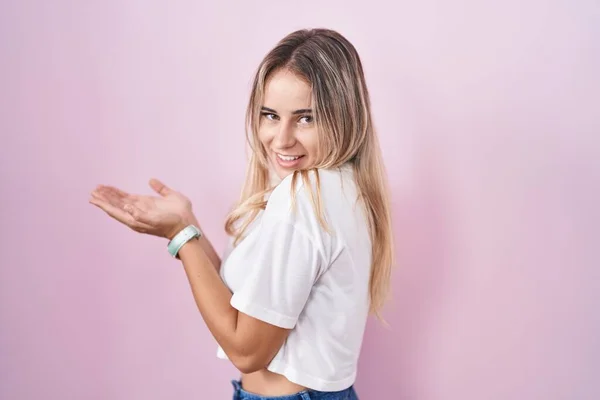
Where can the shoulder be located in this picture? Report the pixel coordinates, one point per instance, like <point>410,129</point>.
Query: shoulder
<point>303,189</point>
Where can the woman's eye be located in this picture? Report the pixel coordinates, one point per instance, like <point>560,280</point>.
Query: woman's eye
<point>306,119</point>
<point>270,116</point>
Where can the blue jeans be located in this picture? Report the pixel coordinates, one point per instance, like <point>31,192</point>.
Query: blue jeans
<point>308,394</point>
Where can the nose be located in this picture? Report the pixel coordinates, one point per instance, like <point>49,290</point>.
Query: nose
<point>285,136</point>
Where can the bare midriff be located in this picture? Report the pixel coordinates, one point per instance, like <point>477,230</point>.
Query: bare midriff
<point>267,383</point>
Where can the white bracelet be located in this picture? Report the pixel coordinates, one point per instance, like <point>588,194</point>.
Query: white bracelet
<point>184,236</point>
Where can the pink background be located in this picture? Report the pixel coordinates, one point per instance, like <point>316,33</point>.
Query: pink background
<point>489,119</point>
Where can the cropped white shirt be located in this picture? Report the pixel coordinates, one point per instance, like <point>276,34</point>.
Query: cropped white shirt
<point>289,272</point>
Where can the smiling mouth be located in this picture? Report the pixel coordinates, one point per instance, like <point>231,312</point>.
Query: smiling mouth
<point>288,158</point>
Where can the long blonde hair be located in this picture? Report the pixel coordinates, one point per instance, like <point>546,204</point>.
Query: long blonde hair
<point>342,111</point>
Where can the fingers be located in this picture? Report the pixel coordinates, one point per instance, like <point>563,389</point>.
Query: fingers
<point>116,193</point>
<point>110,196</point>
<point>119,214</point>
<point>159,187</point>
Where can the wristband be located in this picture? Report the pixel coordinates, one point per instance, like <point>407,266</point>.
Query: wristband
<point>184,236</point>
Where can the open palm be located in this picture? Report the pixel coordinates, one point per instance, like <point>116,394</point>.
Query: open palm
<point>162,216</point>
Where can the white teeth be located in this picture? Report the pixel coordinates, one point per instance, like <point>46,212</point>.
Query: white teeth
<point>288,158</point>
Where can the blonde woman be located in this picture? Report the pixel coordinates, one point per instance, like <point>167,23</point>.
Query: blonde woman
<point>311,239</point>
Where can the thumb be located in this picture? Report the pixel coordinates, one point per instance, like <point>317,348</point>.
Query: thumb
<point>159,187</point>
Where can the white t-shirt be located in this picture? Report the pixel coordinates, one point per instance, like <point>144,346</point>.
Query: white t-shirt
<point>288,271</point>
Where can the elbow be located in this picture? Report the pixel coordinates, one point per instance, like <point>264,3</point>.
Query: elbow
<point>248,369</point>
<point>247,364</point>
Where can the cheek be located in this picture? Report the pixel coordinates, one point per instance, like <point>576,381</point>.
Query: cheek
<point>310,144</point>
<point>263,136</point>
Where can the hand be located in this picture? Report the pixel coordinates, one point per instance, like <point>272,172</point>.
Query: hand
<point>162,216</point>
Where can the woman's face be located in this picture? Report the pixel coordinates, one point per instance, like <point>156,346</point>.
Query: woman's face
<point>287,130</point>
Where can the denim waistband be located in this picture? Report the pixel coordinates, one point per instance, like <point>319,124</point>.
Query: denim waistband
<point>241,394</point>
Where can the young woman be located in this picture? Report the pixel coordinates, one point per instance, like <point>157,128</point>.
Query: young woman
<point>311,240</point>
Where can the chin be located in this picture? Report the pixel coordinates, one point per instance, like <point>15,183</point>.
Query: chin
<point>283,174</point>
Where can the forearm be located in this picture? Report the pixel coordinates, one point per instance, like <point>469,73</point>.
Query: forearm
<point>210,252</point>
<point>206,245</point>
<point>211,295</point>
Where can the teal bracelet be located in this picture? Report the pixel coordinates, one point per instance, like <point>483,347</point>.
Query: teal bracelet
<point>184,236</point>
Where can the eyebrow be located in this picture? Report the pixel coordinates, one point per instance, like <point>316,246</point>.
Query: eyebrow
<point>301,111</point>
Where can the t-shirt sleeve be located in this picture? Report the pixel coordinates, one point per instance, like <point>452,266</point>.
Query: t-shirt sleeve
<point>282,270</point>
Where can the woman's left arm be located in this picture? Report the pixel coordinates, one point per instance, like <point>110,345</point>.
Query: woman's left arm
<point>249,343</point>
